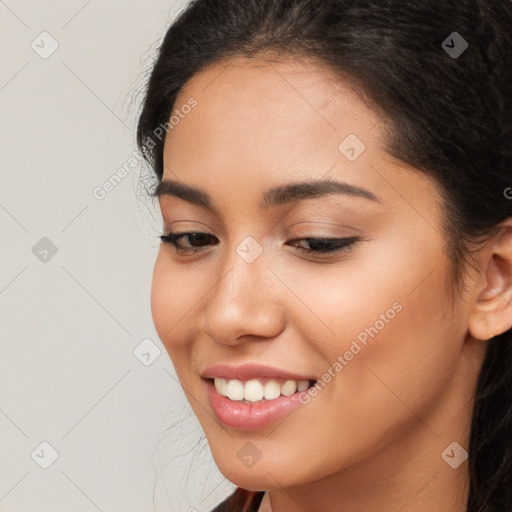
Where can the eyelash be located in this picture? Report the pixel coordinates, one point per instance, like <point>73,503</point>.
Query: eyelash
<point>340,244</point>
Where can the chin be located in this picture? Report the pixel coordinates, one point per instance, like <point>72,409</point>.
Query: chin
<point>251,482</point>
<point>260,477</point>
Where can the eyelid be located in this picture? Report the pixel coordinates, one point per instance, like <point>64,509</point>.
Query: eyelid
<point>327,223</point>
<point>338,245</point>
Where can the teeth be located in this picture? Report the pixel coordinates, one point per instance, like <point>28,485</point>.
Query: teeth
<point>302,385</point>
<point>235,390</point>
<point>255,391</point>
<point>288,388</point>
<point>272,390</point>
<point>221,386</point>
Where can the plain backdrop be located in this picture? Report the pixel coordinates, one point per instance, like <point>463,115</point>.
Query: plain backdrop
<point>91,413</point>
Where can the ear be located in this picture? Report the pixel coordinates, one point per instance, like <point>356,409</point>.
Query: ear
<point>491,313</point>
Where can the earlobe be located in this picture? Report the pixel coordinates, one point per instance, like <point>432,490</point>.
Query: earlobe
<point>491,314</point>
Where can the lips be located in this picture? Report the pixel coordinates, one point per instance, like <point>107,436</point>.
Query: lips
<point>249,416</point>
<point>249,371</point>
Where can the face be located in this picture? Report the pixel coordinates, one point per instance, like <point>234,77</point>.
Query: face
<point>373,323</point>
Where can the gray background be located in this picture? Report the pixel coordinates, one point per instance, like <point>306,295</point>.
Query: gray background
<point>75,273</point>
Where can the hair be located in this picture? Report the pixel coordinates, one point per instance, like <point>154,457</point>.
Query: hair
<point>449,117</point>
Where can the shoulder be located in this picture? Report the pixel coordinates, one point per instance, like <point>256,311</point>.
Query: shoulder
<point>233,503</point>
<point>221,507</point>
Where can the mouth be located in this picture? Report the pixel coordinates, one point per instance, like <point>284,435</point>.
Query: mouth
<point>255,403</point>
<point>258,390</point>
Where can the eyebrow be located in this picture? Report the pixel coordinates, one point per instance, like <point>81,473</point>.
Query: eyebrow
<point>279,195</point>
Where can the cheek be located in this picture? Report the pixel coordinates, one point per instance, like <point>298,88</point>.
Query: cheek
<point>172,304</point>
<point>390,321</point>
<point>403,364</point>
<point>396,376</point>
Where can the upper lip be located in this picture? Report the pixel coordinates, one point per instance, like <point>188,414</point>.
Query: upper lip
<point>250,371</point>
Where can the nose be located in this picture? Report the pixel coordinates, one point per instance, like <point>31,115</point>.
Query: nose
<point>245,303</point>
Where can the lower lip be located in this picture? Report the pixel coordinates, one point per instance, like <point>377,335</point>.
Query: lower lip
<point>250,416</point>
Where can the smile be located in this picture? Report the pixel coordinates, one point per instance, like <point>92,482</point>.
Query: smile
<point>242,414</point>
<point>258,390</point>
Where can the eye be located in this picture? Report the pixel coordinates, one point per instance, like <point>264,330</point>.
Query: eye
<point>193,238</point>
<point>317,246</point>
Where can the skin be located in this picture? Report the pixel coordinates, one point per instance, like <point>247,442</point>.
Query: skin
<point>372,438</point>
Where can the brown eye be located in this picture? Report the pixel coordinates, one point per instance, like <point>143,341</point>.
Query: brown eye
<point>196,240</point>
<point>326,245</point>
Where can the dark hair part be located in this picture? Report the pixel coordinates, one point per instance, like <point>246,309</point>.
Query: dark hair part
<point>448,117</point>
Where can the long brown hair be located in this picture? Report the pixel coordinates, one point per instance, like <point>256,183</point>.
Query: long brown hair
<point>244,501</point>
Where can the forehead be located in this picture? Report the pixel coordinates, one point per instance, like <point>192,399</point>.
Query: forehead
<point>258,125</point>
<point>269,113</point>
<point>303,87</point>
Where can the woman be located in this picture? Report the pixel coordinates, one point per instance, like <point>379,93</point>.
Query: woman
<point>335,275</point>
